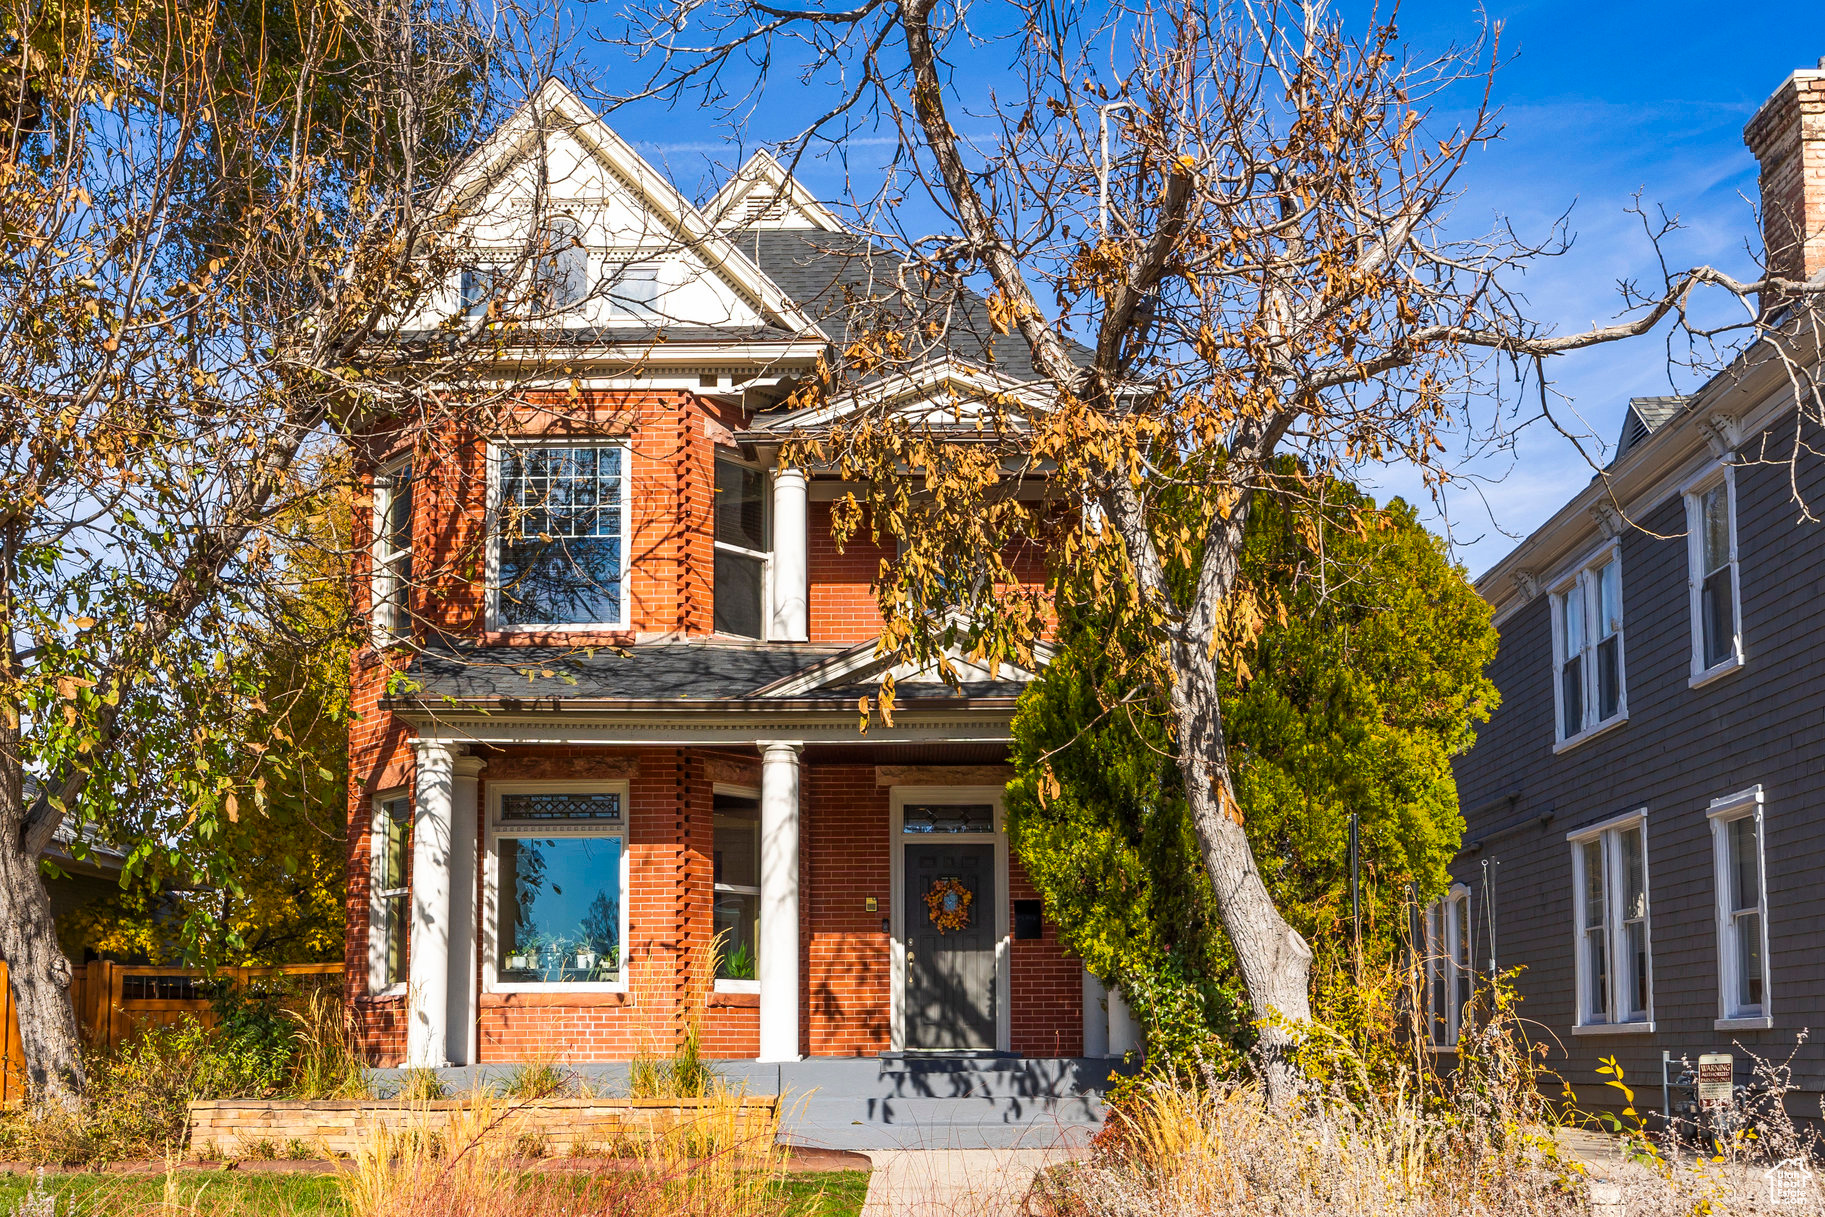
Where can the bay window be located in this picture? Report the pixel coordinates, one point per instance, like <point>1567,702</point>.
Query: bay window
<point>559,545</point>
<point>557,878</point>
<point>1589,690</point>
<point>1742,908</point>
<point>1614,961</point>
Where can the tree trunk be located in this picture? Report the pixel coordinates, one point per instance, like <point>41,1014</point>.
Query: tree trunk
<point>1272,956</point>
<point>40,976</point>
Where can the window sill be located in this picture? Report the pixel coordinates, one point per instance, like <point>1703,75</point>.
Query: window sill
<point>558,635</point>
<point>1709,675</point>
<point>738,999</point>
<point>1442,1049</point>
<point>389,994</point>
<point>738,986</point>
<point>553,997</point>
<point>1645,1027</point>
<point>1589,733</point>
<point>1754,1023</point>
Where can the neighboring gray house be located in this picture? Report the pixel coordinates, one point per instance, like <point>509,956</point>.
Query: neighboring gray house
<point>1646,809</point>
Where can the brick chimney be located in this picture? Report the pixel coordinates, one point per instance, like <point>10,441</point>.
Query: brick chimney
<point>1787,136</point>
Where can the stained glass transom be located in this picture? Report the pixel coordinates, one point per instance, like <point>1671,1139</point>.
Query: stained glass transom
<point>601,807</point>
<point>942,818</point>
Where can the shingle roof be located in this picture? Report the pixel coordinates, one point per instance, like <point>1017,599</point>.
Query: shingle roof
<point>689,673</point>
<point>839,278</point>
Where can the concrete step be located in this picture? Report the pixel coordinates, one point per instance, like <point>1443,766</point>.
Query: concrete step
<point>816,1108</point>
<point>1034,1135</point>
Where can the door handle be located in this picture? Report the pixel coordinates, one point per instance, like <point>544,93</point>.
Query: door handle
<point>910,957</point>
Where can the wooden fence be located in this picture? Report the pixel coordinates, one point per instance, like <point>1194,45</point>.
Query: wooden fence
<point>113,1000</point>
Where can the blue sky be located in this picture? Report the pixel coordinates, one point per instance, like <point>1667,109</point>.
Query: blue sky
<point>1600,100</point>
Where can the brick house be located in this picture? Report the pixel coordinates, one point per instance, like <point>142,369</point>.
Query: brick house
<point>1643,810</point>
<point>609,715</point>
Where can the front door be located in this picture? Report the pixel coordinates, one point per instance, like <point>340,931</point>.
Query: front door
<point>950,945</point>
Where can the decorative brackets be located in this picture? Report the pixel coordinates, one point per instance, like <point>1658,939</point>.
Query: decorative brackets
<point>1609,521</point>
<point>1720,433</point>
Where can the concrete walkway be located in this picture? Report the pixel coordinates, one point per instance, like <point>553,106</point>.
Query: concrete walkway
<point>955,1182</point>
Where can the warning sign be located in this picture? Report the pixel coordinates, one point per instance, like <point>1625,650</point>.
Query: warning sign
<point>1716,1074</point>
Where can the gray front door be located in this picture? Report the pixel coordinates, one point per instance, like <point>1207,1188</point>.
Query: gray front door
<point>950,970</point>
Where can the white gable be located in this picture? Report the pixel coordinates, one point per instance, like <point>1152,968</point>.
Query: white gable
<point>763,195</point>
<point>643,256</point>
<point>940,393</point>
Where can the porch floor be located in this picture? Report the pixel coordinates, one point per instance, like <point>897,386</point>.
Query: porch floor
<point>879,1103</point>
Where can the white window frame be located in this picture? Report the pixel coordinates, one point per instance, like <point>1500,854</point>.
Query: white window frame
<point>1609,835</point>
<point>1447,929</point>
<point>491,880</point>
<point>389,617</point>
<point>1694,493</point>
<point>724,985</point>
<point>1723,812</point>
<point>1583,582</point>
<point>765,557</point>
<point>621,304</point>
<point>492,521</point>
<point>379,919</point>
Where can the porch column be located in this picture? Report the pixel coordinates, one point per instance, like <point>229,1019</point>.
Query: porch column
<point>1096,1017</point>
<point>461,1009</point>
<point>1124,1037</point>
<point>428,977</point>
<point>778,963</point>
<point>790,615</point>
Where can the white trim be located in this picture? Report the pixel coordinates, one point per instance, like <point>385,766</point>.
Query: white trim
<point>1643,1027</point>
<point>1692,494</point>
<point>1452,927</point>
<point>491,517</point>
<point>1723,812</point>
<point>764,167</point>
<point>1764,1023</point>
<point>764,557</point>
<point>377,915</point>
<point>900,796</point>
<point>1589,733</point>
<point>1607,835</point>
<point>491,880</point>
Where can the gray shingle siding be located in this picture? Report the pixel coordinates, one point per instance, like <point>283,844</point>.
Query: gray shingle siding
<point>1680,749</point>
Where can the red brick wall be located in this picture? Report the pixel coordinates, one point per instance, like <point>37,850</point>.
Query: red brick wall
<point>850,969</point>
<point>1046,986</point>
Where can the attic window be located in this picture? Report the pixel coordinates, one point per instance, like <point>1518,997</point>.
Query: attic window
<point>636,289</point>
<point>565,266</point>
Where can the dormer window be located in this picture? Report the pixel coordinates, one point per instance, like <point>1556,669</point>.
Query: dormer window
<point>559,546</point>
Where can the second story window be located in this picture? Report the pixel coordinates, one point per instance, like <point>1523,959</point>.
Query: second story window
<point>1587,644</point>
<point>742,546</point>
<point>393,553</point>
<point>1711,552</point>
<point>559,553</point>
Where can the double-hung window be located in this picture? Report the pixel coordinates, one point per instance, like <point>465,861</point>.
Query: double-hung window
<point>392,587</point>
<point>1742,907</point>
<point>560,533</point>
<point>557,885</point>
<point>742,548</point>
<point>1589,691</point>
<point>1711,551</point>
<point>1614,964</point>
<point>387,890</point>
<point>1449,975</point>
<point>736,877</point>
<point>635,289</point>
<point>483,287</point>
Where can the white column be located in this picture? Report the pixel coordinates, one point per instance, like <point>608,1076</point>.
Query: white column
<point>791,613</point>
<point>1096,1017</point>
<point>428,978</point>
<point>462,1007</point>
<point>1124,1036</point>
<point>778,962</point>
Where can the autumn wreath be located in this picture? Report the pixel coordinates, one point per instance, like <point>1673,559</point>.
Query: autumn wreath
<point>948,903</point>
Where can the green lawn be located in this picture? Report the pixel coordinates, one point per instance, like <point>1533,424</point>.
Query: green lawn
<point>832,1194</point>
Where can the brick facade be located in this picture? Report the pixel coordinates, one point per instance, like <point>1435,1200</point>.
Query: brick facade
<point>845,964</point>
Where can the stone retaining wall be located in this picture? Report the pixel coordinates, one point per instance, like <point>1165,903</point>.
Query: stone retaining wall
<point>330,1128</point>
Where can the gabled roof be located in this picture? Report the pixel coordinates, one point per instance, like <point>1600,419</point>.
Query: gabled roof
<point>861,666</point>
<point>943,393</point>
<point>555,108</point>
<point>763,195</point>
